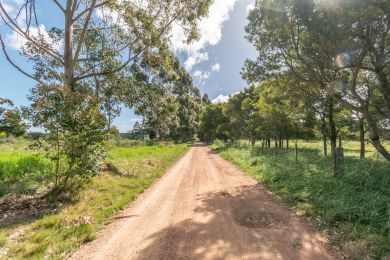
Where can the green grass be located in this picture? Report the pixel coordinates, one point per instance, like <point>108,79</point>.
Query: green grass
<point>56,234</point>
<point>354,209</point>
<point>22,171</point>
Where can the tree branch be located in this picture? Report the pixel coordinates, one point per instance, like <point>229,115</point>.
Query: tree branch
<point>84,31</point>
<point>59,6</point>
<point>16,66</point>
<point>89,9</point>
<point>16,28</point>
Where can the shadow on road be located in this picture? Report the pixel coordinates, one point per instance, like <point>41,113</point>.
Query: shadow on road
<point>199,144</point>
<point>244,223</point>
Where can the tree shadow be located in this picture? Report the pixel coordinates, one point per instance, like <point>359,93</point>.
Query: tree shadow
<point>242,223</point>
<point>26,210</point>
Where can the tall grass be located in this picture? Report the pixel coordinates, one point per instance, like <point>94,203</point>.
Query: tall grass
<point>53,235</point>
<point>22,171</point>
<point>353,209</point>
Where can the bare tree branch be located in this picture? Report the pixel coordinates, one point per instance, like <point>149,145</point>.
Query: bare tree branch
<point>16,66</point>
<point>59,6</point>
<point>16,28</point>
<point>84,31</point>
<point>89,9</point>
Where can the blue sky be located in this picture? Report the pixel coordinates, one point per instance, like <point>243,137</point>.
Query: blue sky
<point>215,61</point>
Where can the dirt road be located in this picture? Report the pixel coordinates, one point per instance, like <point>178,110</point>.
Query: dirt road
<point>205,208</point>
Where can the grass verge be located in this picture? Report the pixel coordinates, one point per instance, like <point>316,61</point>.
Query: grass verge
<point>353,209</point>
<point>54,234</point>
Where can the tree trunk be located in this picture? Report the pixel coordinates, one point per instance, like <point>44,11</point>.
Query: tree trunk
<point>276,149</point>
<point>262,147</point>
<point>287,143</point>
<point>385,87</point>
<point>340,142</point>
<point>68,47</point>
<point>361,138</point>
<point>332,135</point>
<point>157,133</point>
<point>374,136</point>
<point>325,145</point>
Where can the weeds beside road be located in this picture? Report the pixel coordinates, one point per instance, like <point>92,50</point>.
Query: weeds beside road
<point>353,209</point>
<point>53,231</point>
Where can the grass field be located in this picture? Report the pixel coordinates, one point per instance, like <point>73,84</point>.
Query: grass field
<point>55,233</point>
<point>21,170</point>
<point>354,209</point>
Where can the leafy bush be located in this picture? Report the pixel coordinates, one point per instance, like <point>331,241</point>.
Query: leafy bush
<point>76,131</point>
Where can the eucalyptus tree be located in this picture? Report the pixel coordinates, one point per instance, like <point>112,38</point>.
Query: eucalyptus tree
<point>129,28</point>
<point>190,104</point>
<point>160,111</point>
<point>93,40</point>
<point>155,99</point>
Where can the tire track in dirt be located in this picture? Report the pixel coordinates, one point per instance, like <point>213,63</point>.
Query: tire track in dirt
<point>205,208</point>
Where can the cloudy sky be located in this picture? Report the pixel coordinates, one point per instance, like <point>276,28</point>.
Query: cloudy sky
<point>215,61</point>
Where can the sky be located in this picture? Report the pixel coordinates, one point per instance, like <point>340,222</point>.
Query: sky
<point>214,61</point>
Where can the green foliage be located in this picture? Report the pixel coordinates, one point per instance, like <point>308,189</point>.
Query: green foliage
<point>211,120</point>
<point>353,209</point>
<point>190,105</point>
<point>335,51</point>
<point>76,131</point>
<point>11,119</point>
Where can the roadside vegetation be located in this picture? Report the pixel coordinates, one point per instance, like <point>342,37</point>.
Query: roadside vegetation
<point>322,73</point>
<point>352,210</point>
<point>39,227</point>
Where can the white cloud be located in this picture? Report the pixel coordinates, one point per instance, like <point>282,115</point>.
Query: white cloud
<point>202,75</point>
<point>15,41</point>
<point>220,99</point>
<point>210,30</point>
<point>250,7</point>
<point>216,67</point>
<point>195,58</point>
<point>223,98</point>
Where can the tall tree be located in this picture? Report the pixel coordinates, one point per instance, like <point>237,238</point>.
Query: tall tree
<point>189,100</point>
<point>326,48</point>
<point>128,29</point>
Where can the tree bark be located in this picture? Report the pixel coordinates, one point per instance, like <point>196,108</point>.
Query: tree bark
<point>361,138</point>
<point>325,144</point>
<point>68,47</point>
<point>374,136</point>
<point>332,134</point>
